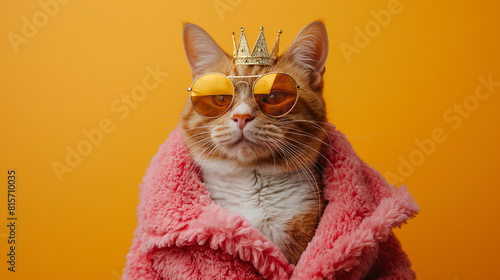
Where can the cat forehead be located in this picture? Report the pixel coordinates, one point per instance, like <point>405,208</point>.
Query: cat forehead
<point>229,69</point>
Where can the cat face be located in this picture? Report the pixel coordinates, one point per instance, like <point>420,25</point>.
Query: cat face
<point>244,136</point>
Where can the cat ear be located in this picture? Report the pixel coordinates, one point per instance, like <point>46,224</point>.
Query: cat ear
<point>201,50</point>
<point>309,51</point>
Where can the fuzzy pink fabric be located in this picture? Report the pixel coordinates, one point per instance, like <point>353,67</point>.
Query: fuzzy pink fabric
<point>183,234</point>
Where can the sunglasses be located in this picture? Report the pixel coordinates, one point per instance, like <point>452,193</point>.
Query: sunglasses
<point>274,93</point>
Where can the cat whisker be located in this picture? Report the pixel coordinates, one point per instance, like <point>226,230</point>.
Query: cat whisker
<point>283,153</point>
<point>319,153</point>
<point>199,127</point>
<point>338,104</point>
<point>309,148</point>
<point>330,147</point>
<point>221,152</point>
<point>317,123</point>
<point>201,144</point>
<point>308,173</point>
<point>192,144</point>
<point>305,134</point>
<point>274,159</point>
<point>192,136</point>
<point>194,166</point>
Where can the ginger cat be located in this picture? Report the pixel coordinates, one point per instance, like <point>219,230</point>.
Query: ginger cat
<point>266,168</point>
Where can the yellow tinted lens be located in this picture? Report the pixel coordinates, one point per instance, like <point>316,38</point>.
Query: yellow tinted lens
<point>276,94</point>
<point>212,94</point>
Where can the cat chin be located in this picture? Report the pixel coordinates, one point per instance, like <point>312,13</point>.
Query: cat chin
<point>216,166</point>
<point>244,153</point>
<point>241,156</point>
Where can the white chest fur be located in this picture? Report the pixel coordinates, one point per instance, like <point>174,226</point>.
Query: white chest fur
<point>267,201</point>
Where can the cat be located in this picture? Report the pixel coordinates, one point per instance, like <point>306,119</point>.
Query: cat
<point>265,168</point>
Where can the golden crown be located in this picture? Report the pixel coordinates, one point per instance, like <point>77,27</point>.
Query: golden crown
<point>259,55</point>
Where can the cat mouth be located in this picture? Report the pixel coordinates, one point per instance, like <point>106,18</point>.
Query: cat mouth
<point>242,140</point>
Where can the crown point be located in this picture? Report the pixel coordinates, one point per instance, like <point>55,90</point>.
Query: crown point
<point>280,31</point>
<point>232,32</point>
<point>259,55</point>
<point>242,28</point>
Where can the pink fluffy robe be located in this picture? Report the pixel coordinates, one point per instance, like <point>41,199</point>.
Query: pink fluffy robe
<point>183,234</point>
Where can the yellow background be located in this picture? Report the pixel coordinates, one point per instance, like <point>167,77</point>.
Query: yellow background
<point>393,91</point>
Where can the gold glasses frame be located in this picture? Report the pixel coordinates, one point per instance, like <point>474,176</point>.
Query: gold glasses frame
<point>252,88</point>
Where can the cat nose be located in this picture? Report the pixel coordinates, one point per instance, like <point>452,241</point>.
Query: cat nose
<point>242,119</point>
